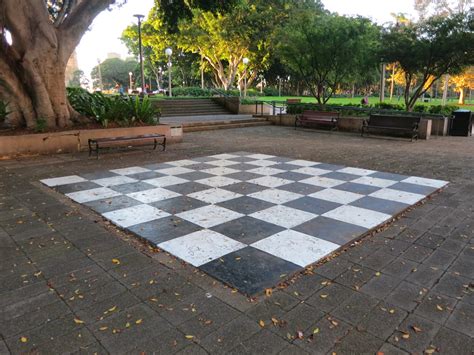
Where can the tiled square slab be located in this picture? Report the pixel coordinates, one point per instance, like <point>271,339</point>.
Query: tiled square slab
<point>201,247</point>
<point>298,248</point>
<point>248,219</point>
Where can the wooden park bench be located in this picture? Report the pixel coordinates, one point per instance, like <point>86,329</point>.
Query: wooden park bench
<point>293,101</point>
<point>322,118</point>
<point>400,124</point>
<point>139,140</point>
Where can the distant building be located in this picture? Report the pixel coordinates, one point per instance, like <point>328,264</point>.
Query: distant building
<point>113,55</point>
<point>71,67</point>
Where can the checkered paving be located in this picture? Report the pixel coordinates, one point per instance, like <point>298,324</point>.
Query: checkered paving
<point>246,219</point>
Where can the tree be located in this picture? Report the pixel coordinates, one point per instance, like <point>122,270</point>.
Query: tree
<point>427,50</point>
<point>115,71</point>
<point>463,82</point>
<point>44,35</point>
<point>442,7</point>
<point>327,50</point>
<point>77,79</point>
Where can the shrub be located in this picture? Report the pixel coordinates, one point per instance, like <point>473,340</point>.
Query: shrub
<point>389,106</point>
<point>143,110</point>
<point>443,110</point>
<point>3,111</point>
<point>192,91</point>
<point>270,91</point>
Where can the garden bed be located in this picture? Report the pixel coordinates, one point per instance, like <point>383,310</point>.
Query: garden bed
<point>76,140</point>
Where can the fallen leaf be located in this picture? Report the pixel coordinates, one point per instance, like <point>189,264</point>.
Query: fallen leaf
<point>261,323</point>
<point>138,321</point>
<point>189,336</point>
<point>323,296</point>
<point>316,331</point>
<point>116,261</point>
<point>439,308</point>
<point>299,334</point>
<point>103,328</point>
<point>378,273</point>
<point>275,321</point>
<point>416,329</point>
<point>268,292</point>
<point>334,323</point>
<point>289,336</point>
<point>405,335</point>
<point>24,339</point>
<point>112,309</point>
<point>154,299</point>
<point>127,325</point>
<point>78,321</point>
<point>430,351</point>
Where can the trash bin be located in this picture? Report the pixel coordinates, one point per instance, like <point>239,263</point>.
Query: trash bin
<point>461,123</point>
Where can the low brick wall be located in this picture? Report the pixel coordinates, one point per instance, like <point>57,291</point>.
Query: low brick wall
<point>77,140</point>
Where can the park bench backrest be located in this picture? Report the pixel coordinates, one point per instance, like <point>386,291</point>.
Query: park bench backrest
<point>293,101</point>
<point>393,121</point>
<point>319,114</point>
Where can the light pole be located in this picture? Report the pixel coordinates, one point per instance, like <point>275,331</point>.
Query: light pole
<point>140,48</point>
<point>100,75</point>
<point>169,52</point>
<point>279,85</point>
<point>246,62</point>
<point>160,76</point>
<point>261,83</point>
<point>130,75</point>
<point>382,82</point>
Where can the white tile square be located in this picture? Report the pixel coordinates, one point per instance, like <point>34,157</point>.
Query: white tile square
<point>426,182</point>
<point>183,162</point>
<point>224,156</point>
<point>262,163</point>
<point>322,181</point>
<point>221,162</point>
<point>130,216</point>
<point>153,195</point>
<point>164,181</point>
<point>114,180</point>
<point>92,195</point>
<point>312,171</point>
<point>356,171</point>
<point>209,216</point>
<point>409,198</point>
<point>358,216</point>
<point>300,162</point>
<point>297,248</point>
<point>260,156</point>
<point>270,181</point>
<point>372,181</point>
<point>72,179</point>
<point>283,216</point>
<point>276,196</point>
<point>214,195</point>
<point>265,170</point>
<point>131,170</point>
<point>201,247</point>
<point>175,171</point>
<point>338,196</point>
<point>218,181</point>
<point>220,170</point>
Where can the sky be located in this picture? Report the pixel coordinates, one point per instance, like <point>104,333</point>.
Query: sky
<point>104,34</point>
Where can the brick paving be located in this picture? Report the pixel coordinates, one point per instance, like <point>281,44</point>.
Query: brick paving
<point>72,283</point>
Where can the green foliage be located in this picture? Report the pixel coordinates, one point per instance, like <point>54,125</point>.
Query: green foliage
<point>123,111</point>
<point>77,79</point>
<point>389,106</point>
<point>41,125</point>
<point>270,91</point>
<point>192,91</point>
<point>115,71</point>
<point>3,111</point>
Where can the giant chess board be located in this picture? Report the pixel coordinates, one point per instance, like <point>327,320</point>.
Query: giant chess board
<point>246,219</point>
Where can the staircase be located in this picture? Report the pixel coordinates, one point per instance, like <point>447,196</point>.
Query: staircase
<point>215,125</point>
<point>190,107</point>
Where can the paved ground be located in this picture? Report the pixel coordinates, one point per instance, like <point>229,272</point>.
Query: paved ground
<point>71,283</point>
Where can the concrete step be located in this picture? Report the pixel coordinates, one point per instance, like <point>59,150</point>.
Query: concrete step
<point>221,125</point>
<point>190,107</point>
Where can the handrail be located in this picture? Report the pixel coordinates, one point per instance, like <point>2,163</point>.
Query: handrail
<point>272,103</point>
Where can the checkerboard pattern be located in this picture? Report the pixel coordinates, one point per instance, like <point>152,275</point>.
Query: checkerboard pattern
<point>246,219</point>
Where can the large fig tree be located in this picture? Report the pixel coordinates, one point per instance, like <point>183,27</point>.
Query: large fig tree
<point>44,34</point>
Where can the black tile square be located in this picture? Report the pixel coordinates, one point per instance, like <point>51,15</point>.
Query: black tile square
<point>242,166</point>
<point>195,175</point>
<point>280,159</point>
<point>178,204</point>
<point>244,188</point>
<point>204,159</point>
<point>380,205</point>
<point>341,176</point>
<point>80,186</point>
<point>158,166</point>
<point>325,166</point>
<point>246,205</point>
<point>199,166</point>
<point>132,187</point>
<point>247,229</point>
<point>312,205</point>
<point>146,175</point>
<point>187,188</point>
<point>357,188</point>
<point>331,230</point>
<point>243,176</point>
<point>250,270</point>
<point>98,175</point>
<point>286,166</point>
<point>291,175</point>
<point>388,176</point>
<point>164,229</point>
<point>112,204</point>
<point>241,159</point>
<point>301,188</point>
<point>417,189</point>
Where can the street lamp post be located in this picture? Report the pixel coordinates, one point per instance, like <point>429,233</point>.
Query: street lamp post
<point>261,83</point>
<point>279,85</point>
<point>140,47</point>
<point>130,75</point>
<point>382,81</point>
<point>101,85</point>
<point>169,52</point>
<point>160,78</point>
<point>246,62</point>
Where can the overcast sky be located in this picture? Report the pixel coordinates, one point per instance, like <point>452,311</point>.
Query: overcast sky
<point>103,37</point>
